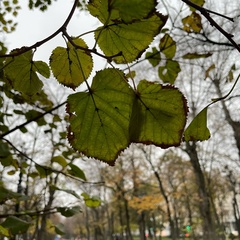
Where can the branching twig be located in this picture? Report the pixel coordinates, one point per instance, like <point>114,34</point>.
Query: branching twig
<point>38,44</point>
<point>32,213</point>
<point>205,13</point>
<point>31,120</point>
<point>48,168</point>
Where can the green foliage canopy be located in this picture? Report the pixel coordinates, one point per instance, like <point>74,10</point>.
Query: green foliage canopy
<point>116,109</point>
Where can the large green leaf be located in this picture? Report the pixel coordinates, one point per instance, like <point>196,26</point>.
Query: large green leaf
<point>112,11</point>
<point>198,130</point>
<point>133,10</point>
<point>129,41</point>
<point>71,66</point>
<point>159,115</point>
<point>169,73</point>
<point>99,9</point>
<point>15,225</point>
<point>99,118</point>
<point>21,72</point>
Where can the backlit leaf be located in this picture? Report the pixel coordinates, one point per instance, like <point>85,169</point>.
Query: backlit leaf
<point>69,211</point>
<point>134,9</point>
<point>99,9</point>
<point>192,23</point>
<point>59,229</point>
<point>129,40</point>
<point>159,115</point>
<point>15,225</point>
<point>169,73</point>
<point>153,57</point>
<point>33,114</point>
<point>43,171</point>
<point>197,129</point>
<point>76,171</point>
<point>207,73</point>
<point>99,118</point>
<point>21,71</point>
<point>168,46</point>
<point>69,191</point>
<point>196,55</point>
<point>4,231</point>
<point>71,66</point>
<point>60,160</point>
<point>197,2</point>
<point>91,201</point>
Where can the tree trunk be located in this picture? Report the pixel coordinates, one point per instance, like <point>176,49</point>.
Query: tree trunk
<point>209,231</point>
<point>128,227</point>
<point>162,191</point>
<point>142,226</point>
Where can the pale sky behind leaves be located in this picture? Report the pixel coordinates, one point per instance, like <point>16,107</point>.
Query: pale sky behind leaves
<point>34,25</point>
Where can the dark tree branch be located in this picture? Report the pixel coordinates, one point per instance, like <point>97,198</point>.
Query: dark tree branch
<point>22,50</point>
<point>31,120</point>
<point>46,168</point>
<point>205,13</point>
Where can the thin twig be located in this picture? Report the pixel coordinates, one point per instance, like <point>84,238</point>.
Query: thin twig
<point>24,49</point>
<point>49,168</point>
<point>205,13</point>
<point>31,120</point>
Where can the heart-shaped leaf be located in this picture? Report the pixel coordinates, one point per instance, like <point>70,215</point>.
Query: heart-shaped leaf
<point>99,118</point>
<point>159,115</point>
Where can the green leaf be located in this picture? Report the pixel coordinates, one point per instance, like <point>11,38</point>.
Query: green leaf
<point>168,46</point>
<point>71,66</point>
<point>99,118</point>
<point>159,115</point>
<point>196,55</point>
<point>6,194</point>
<point>4,231</point>
<point>59,229</point>
<point>4,149</point>
<point>129,41</point>
<point>207,73</point>
<point>198,2</point>
<point>69,211</point>
<point>169,73</point>
<point>99,9</point>
<point>76,171</point>
<point>15,225</point>
<point>21,71</point>
<point>133,10</point>
<point>60,160</point>
<point>67,191</point>
<point>43,171</point>
<point>192,23</point>
<point>91,201</point>
<point>198,130</point>
<point>153,57</point>
<point>32,114</point>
